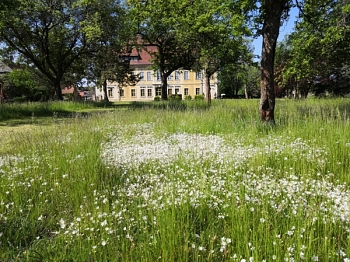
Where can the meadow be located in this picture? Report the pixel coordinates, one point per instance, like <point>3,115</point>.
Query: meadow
<point>175,181</point>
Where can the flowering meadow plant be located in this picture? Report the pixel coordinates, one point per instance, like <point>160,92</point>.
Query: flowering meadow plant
<point>150,185</point>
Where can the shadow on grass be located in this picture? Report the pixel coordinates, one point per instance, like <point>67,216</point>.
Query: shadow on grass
<point>41,113</point>
<point>12,114</point>
<point>173,105</point>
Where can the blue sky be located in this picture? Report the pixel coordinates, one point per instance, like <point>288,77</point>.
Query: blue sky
<point>285,29</point>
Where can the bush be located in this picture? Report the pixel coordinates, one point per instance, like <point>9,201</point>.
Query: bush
<point>68,97</point>
<point>157,98</point>
<point>175,97</point>
<point>199,97</point>
<point>21,99</point>
<point>188,98</point>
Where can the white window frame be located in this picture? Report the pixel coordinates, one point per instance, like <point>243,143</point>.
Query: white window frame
<point>186,75</point>
<point>149,76</point>
<point>177,75</point>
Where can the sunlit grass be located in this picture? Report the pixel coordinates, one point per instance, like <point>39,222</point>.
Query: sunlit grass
<point>179,182</point>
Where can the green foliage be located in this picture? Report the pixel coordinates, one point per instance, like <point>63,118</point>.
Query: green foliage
<point>235,80</point>
<point>199,97</point>
<point>188,98</point>
<point>57,38</point>
<point>218,33</point>
<point>317,53</point>
<point>24,84</point>
<point>175,97</point>
<point>109,61</point>
<point>157,98</point>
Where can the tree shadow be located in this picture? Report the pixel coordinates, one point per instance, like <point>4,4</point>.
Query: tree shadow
<point>172,105</point>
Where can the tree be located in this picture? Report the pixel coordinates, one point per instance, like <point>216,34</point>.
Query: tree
<point>319,48</point>
<point>111,59</point>
<point>23,83</point>
<point>158,26</point>
<point>271,14</point>
<point>54,35</point>
<point>231,80</point>
<point>109,66</point>
<point>218,33</point>
<point>239,79</point>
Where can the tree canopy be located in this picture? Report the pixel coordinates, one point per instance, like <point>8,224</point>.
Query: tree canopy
<point>318,50</point>
<point>55,36</point>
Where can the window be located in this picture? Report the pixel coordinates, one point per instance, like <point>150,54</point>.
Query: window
<point>143,93</point>
<point>170,91</point>
<point>121,92</point>
<point>149,76</point>
<point>133,58</point>
<point>158,91</point>
<point>133,93</point>
<point>110,92</point>
<point>170,77</point>
<point>158,76</point>
<point>177,90</point>
<point>186,77</point>
<point>142,76</point>
<point>197,91</point>
<point>198,75</point>
<point>177,75</point>
<point>149,92</point>
<point>186,91</point>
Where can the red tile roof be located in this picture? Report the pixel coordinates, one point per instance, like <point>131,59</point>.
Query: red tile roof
<point>144,58</point>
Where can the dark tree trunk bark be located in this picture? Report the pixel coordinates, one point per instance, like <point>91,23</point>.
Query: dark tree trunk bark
<point>207,88</point>
<point>58,90</point>
<point>164,85</point>
<point>2,98</point>
<point>104,87</point>
<point>76,96</point>
<point>272,20</point>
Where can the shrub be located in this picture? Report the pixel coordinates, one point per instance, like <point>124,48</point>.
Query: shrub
<point>175,97</point>
<point>199,97</point>
<point>68,97</point>
<point>157,98</point>
<point>188,98</point>
<point>20,99</point>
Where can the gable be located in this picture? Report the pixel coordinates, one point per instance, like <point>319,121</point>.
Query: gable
<point>4,69</point>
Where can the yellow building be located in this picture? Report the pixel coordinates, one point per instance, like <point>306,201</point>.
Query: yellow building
<point>184,82</point>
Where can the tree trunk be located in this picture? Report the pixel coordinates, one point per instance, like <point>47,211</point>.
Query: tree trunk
<point>246,92</point>
<point>75,94</point>
<point>104,87</point>
<point>2,97</point>
<point>58,90</point>
<point>272,19</point>
<point>207,88</point>
<point>164,85</point>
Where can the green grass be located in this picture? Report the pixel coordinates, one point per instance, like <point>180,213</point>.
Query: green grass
<point>175,182</point>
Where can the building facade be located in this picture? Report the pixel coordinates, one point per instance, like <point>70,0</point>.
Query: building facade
<point>182,82</point>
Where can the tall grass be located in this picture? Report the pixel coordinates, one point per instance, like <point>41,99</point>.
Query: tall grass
<point>180,182</point>
<point>11,111</point>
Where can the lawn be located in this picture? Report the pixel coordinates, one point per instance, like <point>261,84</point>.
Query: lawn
<point>176,182</point>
